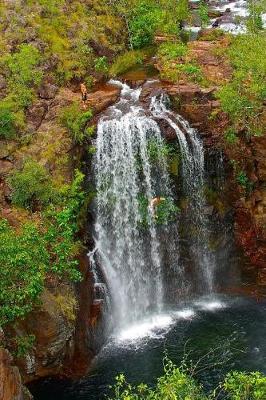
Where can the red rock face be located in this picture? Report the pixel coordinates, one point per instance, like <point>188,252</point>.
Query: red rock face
<point>10,380</point>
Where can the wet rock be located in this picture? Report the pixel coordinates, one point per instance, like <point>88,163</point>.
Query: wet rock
<point>53,331</point>
<point>103,98</point>
<point>208,210</point>
<point>168,132</point>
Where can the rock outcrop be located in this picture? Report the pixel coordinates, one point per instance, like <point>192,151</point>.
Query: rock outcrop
<point>11,387</point>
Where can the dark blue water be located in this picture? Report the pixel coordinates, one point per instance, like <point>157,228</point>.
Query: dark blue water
<point>228,333</point>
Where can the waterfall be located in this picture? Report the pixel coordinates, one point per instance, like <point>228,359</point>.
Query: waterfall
<point>128,247</point>
<point>193,180</point>
<point>139,257</point>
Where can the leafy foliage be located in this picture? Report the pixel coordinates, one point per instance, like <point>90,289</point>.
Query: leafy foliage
<point>231,137</point>
<point>166,211</point>
<point>143,24</point>
<point>28,255</point>
<point>256,9</point>
<point>101,64</point>
<point>242,98</point>
<point>126,61</point>
<point>203,13</point>
<point>23,74</point>
<point>23,259</point>
<point>31,186</point>
<point>23,345</point>
<point>242,180</point>
<point>243,386</point>
<point>172,50</point>
<point>178,384</point>
<point>7,121</point>
<point>75,121</point>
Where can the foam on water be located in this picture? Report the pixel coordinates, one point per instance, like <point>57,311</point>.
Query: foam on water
<point>210,305</point>
<point>154,327</point>
<point>187,313</point>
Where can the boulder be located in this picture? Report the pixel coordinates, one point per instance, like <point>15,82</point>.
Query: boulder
<point>48,91</point>
<point>36,114</point>
<point>103,98</point>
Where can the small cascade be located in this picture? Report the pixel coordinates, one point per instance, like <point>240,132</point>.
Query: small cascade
<point>193,181</point>
<point>128,248</point>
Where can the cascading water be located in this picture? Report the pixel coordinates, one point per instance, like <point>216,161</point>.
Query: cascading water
<point>128,248</point>
<point>139,258</point>
<point>193,180</point>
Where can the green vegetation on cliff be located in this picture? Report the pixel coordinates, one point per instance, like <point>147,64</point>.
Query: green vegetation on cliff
<point>35,252</point>
<point>243,97</point>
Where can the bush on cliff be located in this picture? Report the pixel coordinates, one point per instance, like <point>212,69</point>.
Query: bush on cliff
<point>126,61</point>
<point>34,252</point>
<point>75,121</point>
<point>31,187</point>
<point>23,75</point>
<point>243,97</point>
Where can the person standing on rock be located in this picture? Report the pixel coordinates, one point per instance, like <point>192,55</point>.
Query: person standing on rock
<point>84,94</point>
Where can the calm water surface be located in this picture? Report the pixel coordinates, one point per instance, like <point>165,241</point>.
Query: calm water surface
<point>231,331</point>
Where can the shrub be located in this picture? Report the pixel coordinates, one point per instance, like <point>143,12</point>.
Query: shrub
<point>174,384</point>
<point>31,187</point>
<point>142,26</point>
<point>23,74</point>
<point>7,121</point>
<point>27,256</point>
<point>242,98</point>
<point>244,386</point>
<point>23,260</point>
<point>203,13</point>
<point>126,61</point>
<point>242,180</point>
<point>24,344</point>
<point>101,65</point>
<point>178,384</point>
<point>230,136</point>
<point>75,121</point>
<point>170,50</point>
